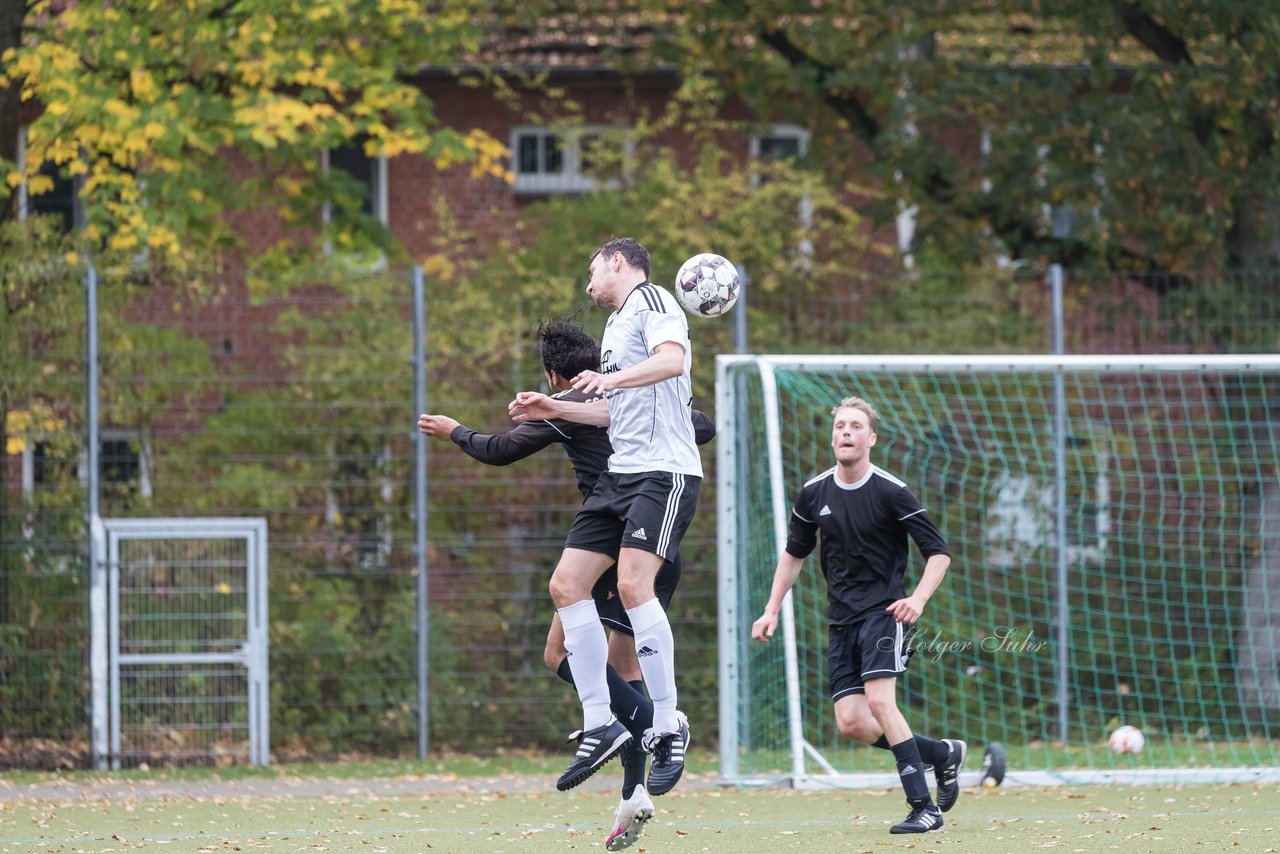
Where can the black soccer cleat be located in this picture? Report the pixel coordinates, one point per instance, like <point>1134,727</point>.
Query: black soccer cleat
<point>668,751</point>
<point>595,747</point>
<point>920,820</point>
<point>948,775</point>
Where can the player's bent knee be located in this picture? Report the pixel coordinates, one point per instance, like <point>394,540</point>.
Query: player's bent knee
<point>565,592</point>
<point>865,732</point>
<point>635,591</point>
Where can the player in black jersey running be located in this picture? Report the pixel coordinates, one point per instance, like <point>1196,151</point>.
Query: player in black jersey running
<point>567,350</point>
<point>865,515</point>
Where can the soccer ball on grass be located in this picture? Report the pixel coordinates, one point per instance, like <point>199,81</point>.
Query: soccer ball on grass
<point>707,285</point>
<point>1126,739</point>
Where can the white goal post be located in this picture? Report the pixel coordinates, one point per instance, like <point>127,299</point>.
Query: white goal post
<point>1115,527</point>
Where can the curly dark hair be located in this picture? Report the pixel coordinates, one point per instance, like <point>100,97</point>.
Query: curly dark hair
<point>634,253</point>
<point>567,349</point>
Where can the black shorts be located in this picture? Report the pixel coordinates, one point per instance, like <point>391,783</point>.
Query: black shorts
<point>609,604</point>
<point>648,510</point>
<point>875,647</point>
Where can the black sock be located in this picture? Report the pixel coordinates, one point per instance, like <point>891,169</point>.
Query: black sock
<point>932,751</point>
<point>632,756</point>
<point>630,703</point>
<point>911,773</point>
<point>626,699</point>
<point>633,762</point>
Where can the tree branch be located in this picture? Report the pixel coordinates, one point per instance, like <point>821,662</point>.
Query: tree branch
<point>845,103</point>
<point>1153,35</point>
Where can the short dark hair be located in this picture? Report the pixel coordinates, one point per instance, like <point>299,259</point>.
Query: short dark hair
<point>567,349</point>
<point>634,253</point>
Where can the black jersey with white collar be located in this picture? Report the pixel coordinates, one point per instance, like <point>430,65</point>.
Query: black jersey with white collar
<point>864,528</point>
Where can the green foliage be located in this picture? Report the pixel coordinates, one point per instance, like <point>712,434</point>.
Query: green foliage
<point>44,632</point>
<point>1149,123</point>
<point>145,101</point>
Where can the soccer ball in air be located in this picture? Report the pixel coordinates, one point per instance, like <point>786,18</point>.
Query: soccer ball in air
<point>707,285</point>
<point>1126,739</point>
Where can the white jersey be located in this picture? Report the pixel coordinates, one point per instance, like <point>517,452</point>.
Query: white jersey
<point>650,427</point>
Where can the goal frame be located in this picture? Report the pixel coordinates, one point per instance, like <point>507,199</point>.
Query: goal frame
<point>733,626</point>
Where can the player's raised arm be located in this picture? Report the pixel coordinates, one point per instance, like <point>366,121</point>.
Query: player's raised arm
<point>529,405</point>
<point>436,426</point>
<point>666,362</point>
<point>495,449</point>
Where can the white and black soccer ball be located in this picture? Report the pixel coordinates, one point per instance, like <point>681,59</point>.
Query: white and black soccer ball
<point>1126,739</point>
<point>707,285</point>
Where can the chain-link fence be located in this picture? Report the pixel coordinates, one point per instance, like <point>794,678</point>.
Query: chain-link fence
<point>299,408</point>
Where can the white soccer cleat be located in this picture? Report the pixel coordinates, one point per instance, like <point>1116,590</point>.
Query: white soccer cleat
<point>631,817</point>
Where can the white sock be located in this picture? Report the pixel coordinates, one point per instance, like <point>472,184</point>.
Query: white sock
<point>656,649</point>
<point>588,656</point>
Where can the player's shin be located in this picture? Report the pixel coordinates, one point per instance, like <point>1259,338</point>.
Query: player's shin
<point>588,649</point>
<point>655,648</point>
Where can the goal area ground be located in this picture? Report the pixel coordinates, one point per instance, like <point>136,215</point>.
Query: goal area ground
<point>329,811</point>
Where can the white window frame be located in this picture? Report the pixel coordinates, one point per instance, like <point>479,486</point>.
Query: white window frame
<point>778,131</point>
<point>115,434</point>
<point>379,195</point>
<point>571,178</point>
<point>82,461</point>
<point>78,217</point>
<point>801,136</point>
<point>1060,221</point>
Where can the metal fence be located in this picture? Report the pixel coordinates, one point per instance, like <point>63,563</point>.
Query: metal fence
<point>299,408</point>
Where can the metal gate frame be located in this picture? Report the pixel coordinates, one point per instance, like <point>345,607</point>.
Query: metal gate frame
<point>252,654</point>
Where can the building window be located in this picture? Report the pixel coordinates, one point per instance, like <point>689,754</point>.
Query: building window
<point>557,161</point>
<point>780,147</point>
<point>123,461</point>
<point>45,466</point>
<point>786,143</point>
<point>779,142</point>
<point>63,201</point>
<point>370,174</point>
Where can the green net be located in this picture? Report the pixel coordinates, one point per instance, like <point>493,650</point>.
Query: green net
<point>1170,550</point>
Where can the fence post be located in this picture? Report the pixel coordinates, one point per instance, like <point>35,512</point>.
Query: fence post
<point>98,662</point>
<point>740,316</point>
<point>1056,277</point>
<point>420,504</point>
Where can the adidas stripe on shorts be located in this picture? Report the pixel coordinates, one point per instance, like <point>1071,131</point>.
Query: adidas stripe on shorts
<point>875,647</point>
<point>645,510</point>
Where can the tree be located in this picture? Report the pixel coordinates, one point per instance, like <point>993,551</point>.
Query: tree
<point>1151,125</point>
<point>175,115</point>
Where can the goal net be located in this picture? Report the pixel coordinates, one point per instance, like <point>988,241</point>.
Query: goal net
<point>1114,524</point>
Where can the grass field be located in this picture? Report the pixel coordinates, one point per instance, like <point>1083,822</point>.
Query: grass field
<point>326,808</point>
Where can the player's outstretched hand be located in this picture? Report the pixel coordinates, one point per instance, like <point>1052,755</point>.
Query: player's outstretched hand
<point>531,406</point>
<point>907,610</point>
<point>763,628</point>
<point>436,426</point>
